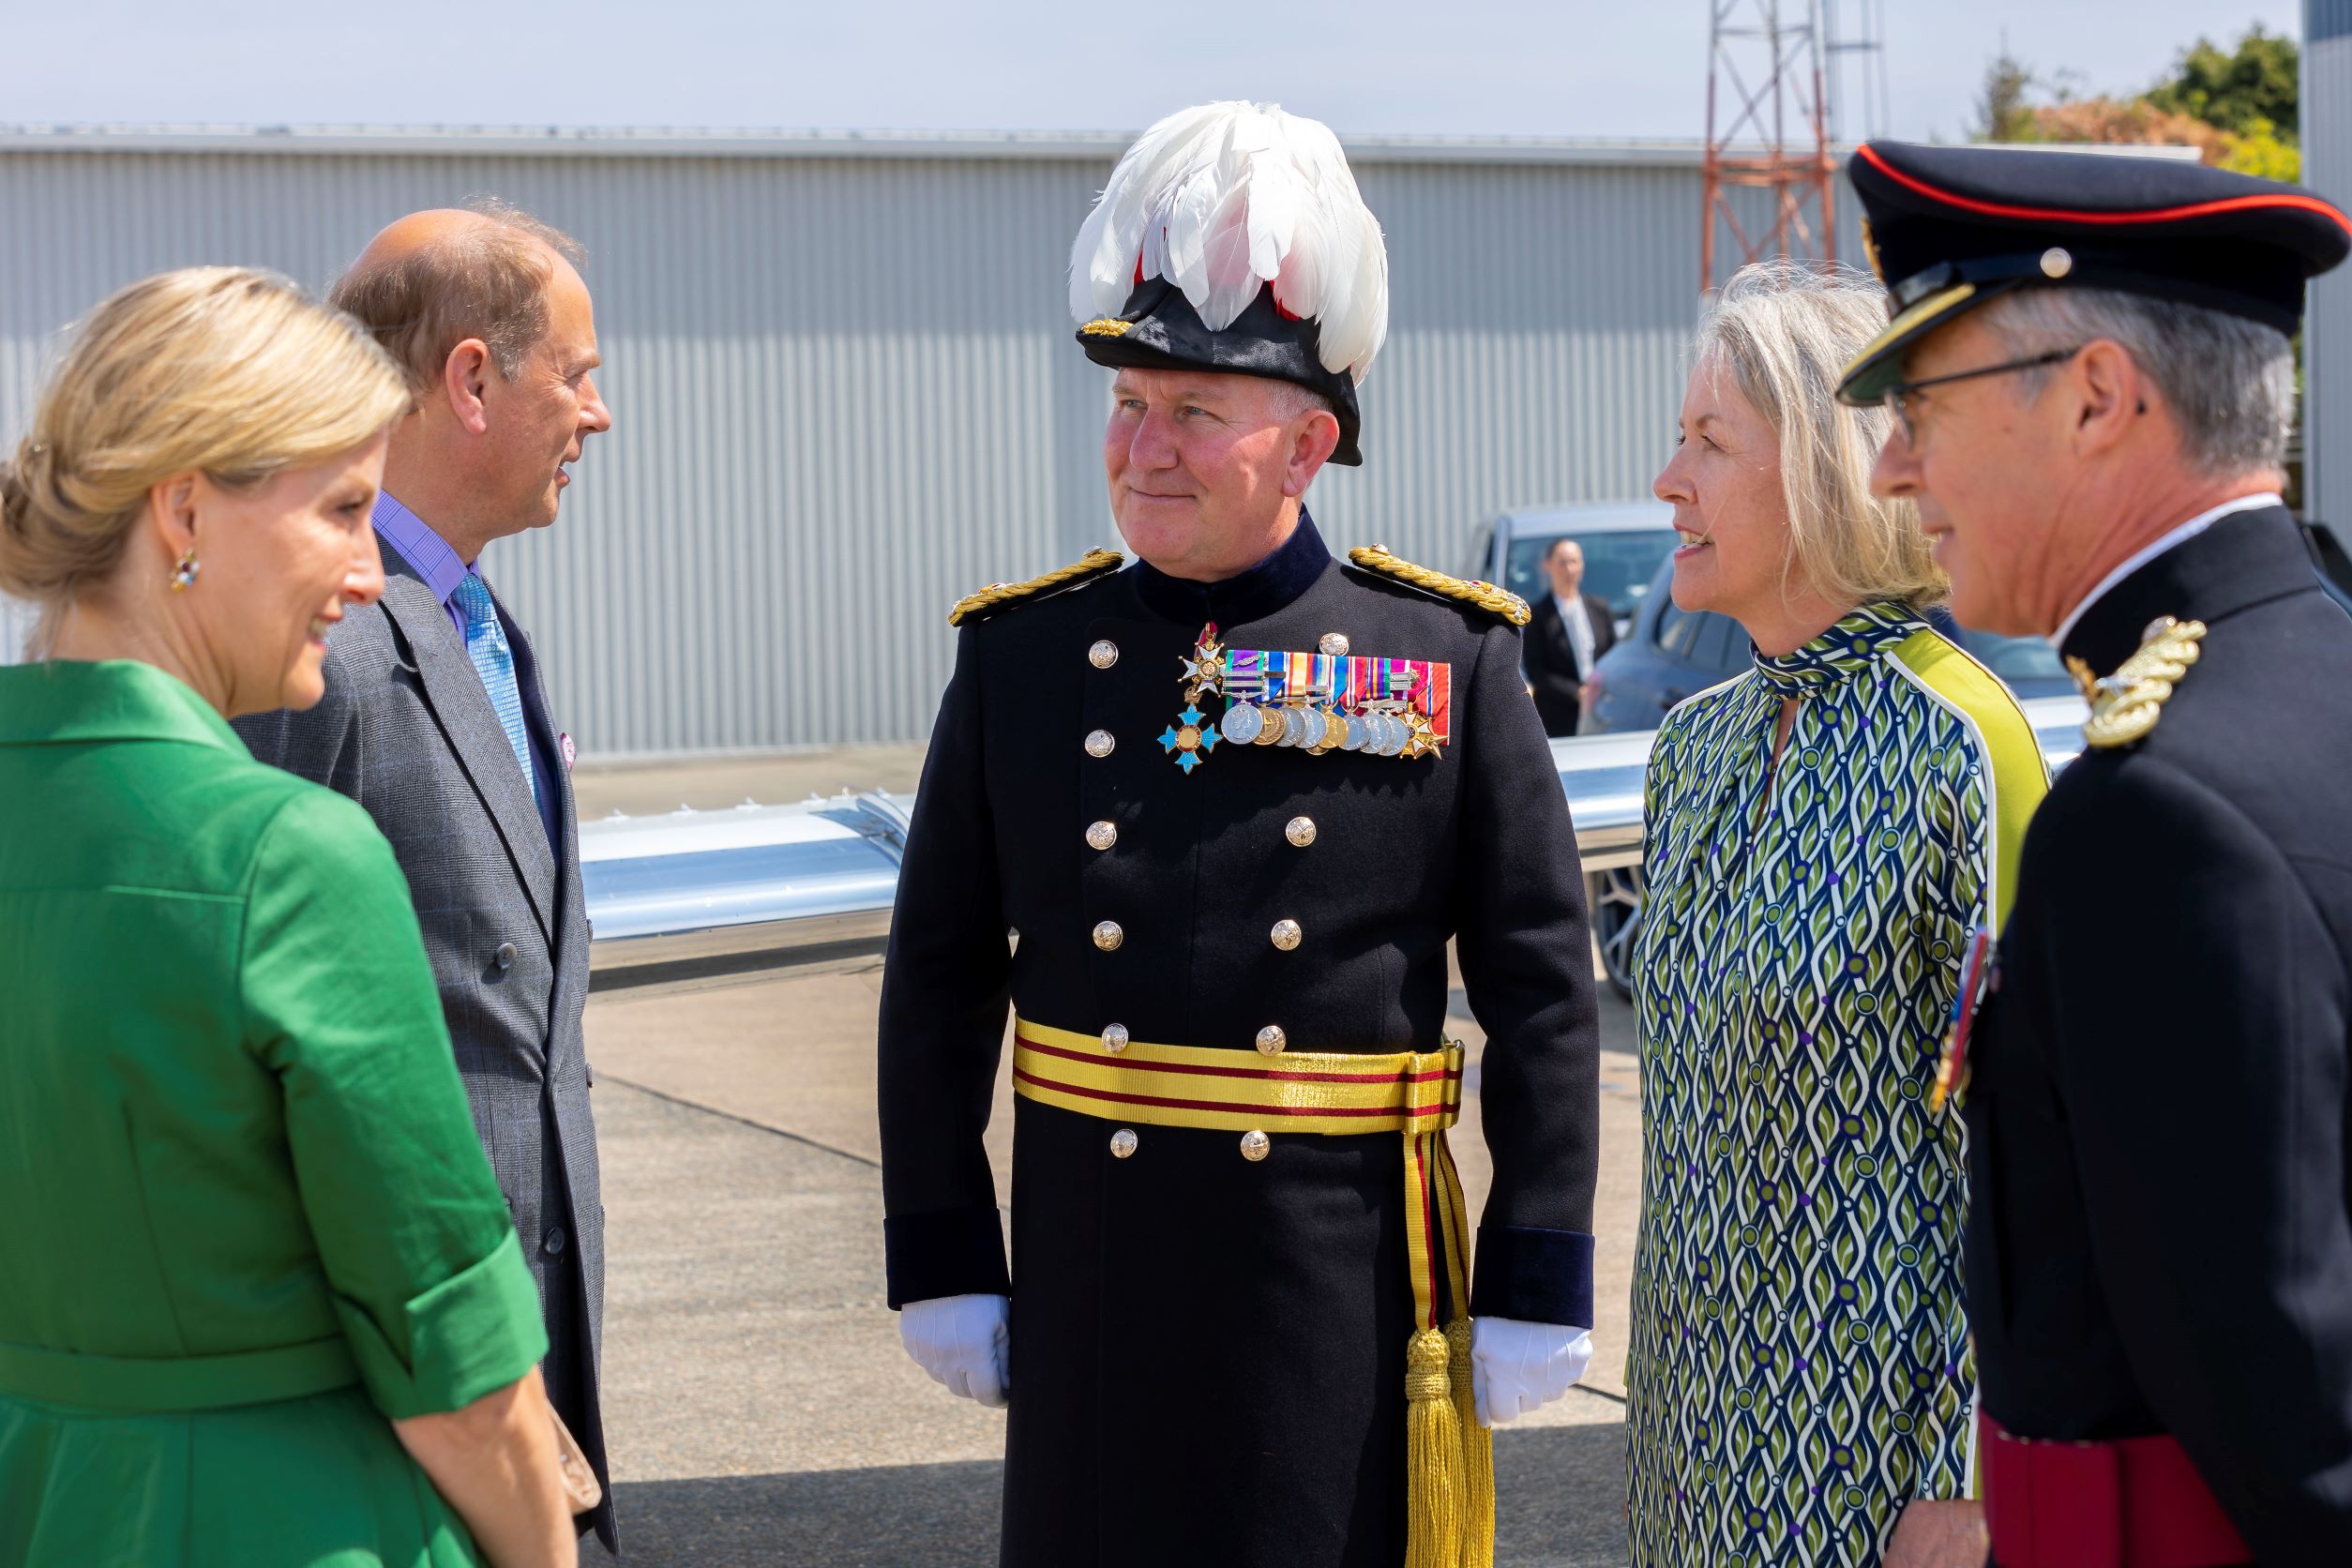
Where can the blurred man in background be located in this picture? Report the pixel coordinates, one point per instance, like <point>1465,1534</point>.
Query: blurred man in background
<point>1569,633</point>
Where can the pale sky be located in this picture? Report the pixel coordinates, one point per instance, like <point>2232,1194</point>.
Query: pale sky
<point>1458,67</point>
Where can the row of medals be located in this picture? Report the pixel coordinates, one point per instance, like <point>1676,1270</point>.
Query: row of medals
<point>1388,728</point>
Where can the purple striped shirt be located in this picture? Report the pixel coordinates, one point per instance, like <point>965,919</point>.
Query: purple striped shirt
<point>426,550</point>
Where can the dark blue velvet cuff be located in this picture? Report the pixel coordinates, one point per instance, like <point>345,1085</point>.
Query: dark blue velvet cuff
<point>1536,1276</point>
<point>948,1252</point>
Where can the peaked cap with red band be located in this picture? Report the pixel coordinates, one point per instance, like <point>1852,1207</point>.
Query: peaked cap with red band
<point>1951,228</point>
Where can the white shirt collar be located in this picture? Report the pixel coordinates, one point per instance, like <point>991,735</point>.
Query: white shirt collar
<point>2179,535</point>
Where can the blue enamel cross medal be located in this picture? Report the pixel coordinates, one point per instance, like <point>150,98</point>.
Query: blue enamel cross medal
<point>1191,738</point>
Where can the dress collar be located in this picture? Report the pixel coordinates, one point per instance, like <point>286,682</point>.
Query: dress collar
<point>1841,651</point>
<point>2177,536</point>
<point>1254,595</point>
<point>76,701</point>
<point>2249,558</point>
<point>417,542</point>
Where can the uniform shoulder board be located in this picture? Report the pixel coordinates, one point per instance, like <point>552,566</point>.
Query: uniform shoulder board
<point>1486,596</point>
<point>996,596</point>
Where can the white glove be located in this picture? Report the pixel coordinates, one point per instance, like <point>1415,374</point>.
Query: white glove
<point>1517,1367</point>
<point>964,1343</point>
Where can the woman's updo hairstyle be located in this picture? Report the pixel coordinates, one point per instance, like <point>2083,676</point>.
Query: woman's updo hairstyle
<point>231,372</point>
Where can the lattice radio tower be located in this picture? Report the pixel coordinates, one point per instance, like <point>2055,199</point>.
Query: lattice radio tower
<point>1768,128</point>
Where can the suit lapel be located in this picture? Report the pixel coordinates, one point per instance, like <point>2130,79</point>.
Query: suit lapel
<point>461,706</point>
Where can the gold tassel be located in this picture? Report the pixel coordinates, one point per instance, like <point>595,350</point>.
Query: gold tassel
<point>1433,1455</point>
<point>1478,1455</point>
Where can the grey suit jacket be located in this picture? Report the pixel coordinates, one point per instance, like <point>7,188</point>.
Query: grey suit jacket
<point>407,730</point>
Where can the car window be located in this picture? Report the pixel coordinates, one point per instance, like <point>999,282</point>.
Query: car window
<point>1675,626</point>
<point>1618,567</point>
<point>2016,659</point>
<point>1711,648</point>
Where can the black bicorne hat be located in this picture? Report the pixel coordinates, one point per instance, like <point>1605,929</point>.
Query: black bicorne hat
<point>1950,228</point>
<point>1159,330</point>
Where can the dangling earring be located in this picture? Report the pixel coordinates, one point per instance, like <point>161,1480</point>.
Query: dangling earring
<point>184,574</point>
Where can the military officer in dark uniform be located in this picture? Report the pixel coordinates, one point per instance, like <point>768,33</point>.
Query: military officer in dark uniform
<point>1207,824</point>
<point>2092,368</point>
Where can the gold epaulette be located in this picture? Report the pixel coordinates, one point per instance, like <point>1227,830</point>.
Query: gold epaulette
<point>1094,563</point>
<point>2125,706</point>
<point>1486,596</point>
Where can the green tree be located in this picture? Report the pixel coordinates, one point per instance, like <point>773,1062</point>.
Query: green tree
<point>2002,113</point>
<point>2250,91</point>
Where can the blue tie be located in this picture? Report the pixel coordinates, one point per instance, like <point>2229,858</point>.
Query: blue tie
<point>486,644</point>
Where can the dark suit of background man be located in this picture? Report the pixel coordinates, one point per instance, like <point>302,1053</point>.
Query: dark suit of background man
<point>2159,1234</point>
<point>436,721</point>
<point>1569,632</point>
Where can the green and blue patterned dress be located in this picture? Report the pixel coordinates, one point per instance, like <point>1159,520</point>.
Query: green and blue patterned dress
<point>1799,1367</point>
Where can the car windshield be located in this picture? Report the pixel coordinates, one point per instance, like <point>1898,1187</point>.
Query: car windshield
<point>1618,565</point>
<point>2017,659</point>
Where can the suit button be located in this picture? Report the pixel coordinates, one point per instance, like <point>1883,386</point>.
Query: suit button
<point>1108,936</point>
<point>1099,743</point>
<point>1103,655</point>
<point>1271,1039</point>
<point>1115,1039</point>
<point>1286,934</point>
<point>1122,1143</point>
<point>1256,1145</point>
<point>505,955</point>
<point>1300,831</point>
<point>1102,835</point>
<point>552,1243</point>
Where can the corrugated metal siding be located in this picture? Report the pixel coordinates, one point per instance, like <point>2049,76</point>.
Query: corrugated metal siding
<point>2327,100</point>
<point>846,393</point>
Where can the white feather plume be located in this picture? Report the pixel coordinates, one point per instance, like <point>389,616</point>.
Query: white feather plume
<point>1226,197</point>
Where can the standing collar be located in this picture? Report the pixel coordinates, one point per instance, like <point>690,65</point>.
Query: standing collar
<point>2179,535</point>
<point>435,562</point>
<point>1290,570</point>
<point>75,701</point>
<point>1841,651</point>
<point>2260,556</point>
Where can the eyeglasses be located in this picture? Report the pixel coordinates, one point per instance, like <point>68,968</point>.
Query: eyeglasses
<point>1898,396</point>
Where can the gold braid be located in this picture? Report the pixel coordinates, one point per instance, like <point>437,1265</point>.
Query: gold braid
<point>1486,596</point>
<point>1094,563</point>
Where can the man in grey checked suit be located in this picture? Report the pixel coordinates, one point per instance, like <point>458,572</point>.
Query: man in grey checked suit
<point>435,720</point>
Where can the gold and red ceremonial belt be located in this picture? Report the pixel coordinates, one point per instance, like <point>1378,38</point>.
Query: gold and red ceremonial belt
<point>1450,1506</point>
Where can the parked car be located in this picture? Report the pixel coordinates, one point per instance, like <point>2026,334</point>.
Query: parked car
<point>1671,654</point>
<point>1623,543</point>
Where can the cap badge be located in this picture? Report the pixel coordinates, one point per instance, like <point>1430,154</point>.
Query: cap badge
<point>1870,250</point>
<point>2056,262</point>
<point>1106,326</point>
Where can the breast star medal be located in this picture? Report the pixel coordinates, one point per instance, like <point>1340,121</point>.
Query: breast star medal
<point>1192,738</point>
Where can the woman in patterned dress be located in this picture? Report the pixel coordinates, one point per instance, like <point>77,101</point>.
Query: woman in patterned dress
<point>1825,833</point>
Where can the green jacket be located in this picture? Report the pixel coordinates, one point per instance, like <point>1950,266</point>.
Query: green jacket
<point>247,1216</point>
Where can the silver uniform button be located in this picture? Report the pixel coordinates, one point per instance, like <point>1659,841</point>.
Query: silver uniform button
<point>1286,934</point>
<point>1103,655</point>
<point>1271,1039</point>
<point>1102,835</point>
<point>1108,936</point>
<point>1300,831</point>
<point>1122,1143</point>
<point>1256,1145</point>
<point>1099,743</point>
<point>1115,1039</point>
<point>1334,643</point>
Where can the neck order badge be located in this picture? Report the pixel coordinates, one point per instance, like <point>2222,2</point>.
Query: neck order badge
<point>1316,702</point>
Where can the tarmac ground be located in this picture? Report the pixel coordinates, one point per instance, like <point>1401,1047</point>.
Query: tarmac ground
<point>758,1407</point>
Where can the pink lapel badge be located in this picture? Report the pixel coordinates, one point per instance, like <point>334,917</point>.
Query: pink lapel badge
<point>571,752</point>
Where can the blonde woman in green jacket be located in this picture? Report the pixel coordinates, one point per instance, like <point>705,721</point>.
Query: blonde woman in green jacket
<point>257,1287</point>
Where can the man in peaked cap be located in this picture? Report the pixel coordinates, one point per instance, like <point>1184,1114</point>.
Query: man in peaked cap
<point>1208,824</point>
<point>2090,364</point>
